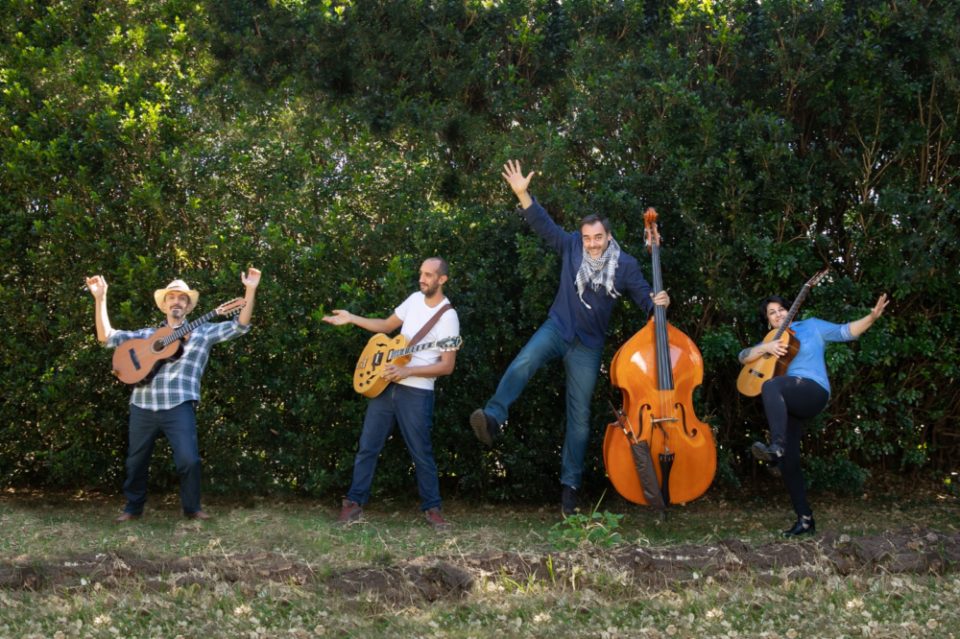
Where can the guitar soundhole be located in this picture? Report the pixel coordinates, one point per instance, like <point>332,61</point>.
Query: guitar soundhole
<point>158,346</point>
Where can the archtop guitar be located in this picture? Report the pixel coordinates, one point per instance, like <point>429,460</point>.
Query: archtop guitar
<point>382,350</point>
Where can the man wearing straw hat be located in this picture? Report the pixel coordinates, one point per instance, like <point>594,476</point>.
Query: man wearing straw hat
<point>166,404</point>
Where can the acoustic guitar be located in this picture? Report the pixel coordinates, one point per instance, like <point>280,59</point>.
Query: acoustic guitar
<point>382,350</point>
<point>754,374</point>
<point>137,360</point>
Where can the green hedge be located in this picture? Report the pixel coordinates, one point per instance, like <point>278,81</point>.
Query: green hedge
<point>335,145</point>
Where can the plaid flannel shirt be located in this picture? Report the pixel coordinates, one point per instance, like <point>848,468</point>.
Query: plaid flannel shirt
<point>178,380</point>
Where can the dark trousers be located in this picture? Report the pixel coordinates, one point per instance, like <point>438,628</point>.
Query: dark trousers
<point>179,426</point>
<point>790,402</point>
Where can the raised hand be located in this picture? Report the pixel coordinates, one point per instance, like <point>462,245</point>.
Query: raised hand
<point>880,306</point>
<point>98,286</point>
<point>250,279</point>
<point>519,183</point>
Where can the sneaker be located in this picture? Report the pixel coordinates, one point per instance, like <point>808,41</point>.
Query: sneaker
<point>770,453</point>
<point>485,427</point>
<point>435,519</point>
<point>804,526</point>
<point>350,513</point>
<point>568,501</point>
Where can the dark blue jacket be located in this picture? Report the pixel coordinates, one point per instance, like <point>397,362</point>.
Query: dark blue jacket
<point>575,319</point>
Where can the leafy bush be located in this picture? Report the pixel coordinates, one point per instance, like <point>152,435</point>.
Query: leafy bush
<point>836,474</point>
<point>335,145</point>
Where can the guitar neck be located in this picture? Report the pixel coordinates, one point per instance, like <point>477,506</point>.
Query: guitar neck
<point>187,328</point>
<point>793,311</point>
<point>416,348</point>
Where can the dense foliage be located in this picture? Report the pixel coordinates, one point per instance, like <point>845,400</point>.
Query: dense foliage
<point>335,145</point>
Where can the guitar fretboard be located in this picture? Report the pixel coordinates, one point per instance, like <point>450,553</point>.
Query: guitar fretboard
<point>186,328</point>
<point>793,311</point>
<point>410,349</point>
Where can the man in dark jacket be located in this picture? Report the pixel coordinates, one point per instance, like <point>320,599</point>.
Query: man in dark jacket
<point>594,273</point>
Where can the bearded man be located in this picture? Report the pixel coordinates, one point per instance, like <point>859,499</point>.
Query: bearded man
<point>594,274</point>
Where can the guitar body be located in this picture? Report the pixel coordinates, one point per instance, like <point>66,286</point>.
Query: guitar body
<point>136,360</point>
<point>755,374</point>
<point>376,355</point>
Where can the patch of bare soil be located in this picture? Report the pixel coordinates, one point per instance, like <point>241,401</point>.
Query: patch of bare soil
<point>910,550</point>
<point>111,569</point>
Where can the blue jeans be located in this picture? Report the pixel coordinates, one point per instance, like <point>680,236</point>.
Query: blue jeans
<point>412,410</point>
<point>179,426</point>
<point>581,364</point>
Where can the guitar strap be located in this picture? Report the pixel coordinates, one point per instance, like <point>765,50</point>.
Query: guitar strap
<point>426,327</point>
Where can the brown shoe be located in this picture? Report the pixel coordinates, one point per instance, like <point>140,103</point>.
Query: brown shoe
<point>435,519</point>
<point>202,516</point>
<point>485,427</point>
<point>124,517</point>
<point>350,512</point>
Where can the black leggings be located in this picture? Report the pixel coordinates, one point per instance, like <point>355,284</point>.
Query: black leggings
<point>789,403</point>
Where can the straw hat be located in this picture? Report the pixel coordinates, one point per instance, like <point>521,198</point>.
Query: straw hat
<point>176,286</point>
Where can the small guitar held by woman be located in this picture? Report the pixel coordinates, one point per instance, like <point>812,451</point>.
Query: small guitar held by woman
<point>781,346</point>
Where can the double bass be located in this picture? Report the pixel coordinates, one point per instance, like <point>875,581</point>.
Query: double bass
<point>657,371</point>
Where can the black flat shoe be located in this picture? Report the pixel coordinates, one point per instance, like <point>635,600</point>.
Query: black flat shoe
<point>804,526</point>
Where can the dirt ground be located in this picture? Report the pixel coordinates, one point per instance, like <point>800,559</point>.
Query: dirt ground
<point>913,550</point>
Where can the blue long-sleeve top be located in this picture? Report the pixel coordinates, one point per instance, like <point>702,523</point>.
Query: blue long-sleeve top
<point>573,317</point>
<point>814,334</point>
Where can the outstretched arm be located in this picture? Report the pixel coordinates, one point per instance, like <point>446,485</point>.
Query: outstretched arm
<point>251,280</point>
<point>860,326</point>
<point>515,178</point>
<point>372,324</point>
<point>98,288</point>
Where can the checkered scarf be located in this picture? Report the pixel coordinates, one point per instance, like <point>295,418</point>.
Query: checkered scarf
<point>598,272</point>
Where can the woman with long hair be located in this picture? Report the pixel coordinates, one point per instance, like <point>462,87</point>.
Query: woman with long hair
<point>791,400</point>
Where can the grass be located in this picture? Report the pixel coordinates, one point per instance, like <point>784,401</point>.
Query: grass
<point>269,568</point>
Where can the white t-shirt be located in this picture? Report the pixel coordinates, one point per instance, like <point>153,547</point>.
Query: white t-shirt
<point>414,313</point>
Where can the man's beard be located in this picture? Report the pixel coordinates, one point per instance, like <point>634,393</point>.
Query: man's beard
<point>430,291</point>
